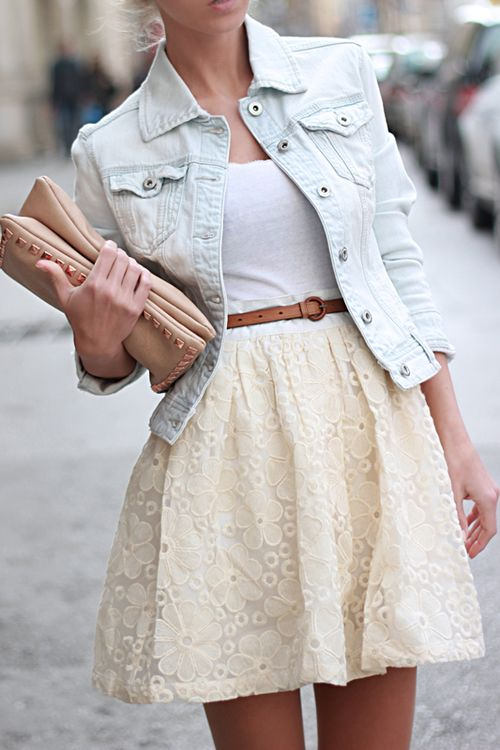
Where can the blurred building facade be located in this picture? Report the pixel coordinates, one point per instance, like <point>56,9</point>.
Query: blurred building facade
<point>32,31</point>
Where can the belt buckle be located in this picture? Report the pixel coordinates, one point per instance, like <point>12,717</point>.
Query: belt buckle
<point>322,311</point>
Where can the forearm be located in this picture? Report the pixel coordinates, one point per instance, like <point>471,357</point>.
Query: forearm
<point>441,399</point>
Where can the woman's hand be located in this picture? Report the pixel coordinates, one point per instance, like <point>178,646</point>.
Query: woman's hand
<point>469,478</point>
<point>105,308</point>
<point>471,481</point>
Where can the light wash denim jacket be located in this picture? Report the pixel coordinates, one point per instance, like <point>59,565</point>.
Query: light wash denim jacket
<point>152,175</point>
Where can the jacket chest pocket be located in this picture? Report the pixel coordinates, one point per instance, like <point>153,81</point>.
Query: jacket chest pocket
<point>146,203</point>
<point>341,134</point>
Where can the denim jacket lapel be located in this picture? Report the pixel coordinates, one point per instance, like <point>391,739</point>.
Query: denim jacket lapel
<point>165,101</point>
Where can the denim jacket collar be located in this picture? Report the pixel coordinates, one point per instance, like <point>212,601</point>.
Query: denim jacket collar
<point>165,101</point>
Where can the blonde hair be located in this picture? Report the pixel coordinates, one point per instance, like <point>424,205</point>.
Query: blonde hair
<point>142,20</point>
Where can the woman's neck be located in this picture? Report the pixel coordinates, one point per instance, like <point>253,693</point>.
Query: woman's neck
<point>213,66</point>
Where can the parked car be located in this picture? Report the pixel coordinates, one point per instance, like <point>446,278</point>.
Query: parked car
<point>479,129</point>
<point>416,58</point>
<point>474,35</point>
<point>426,141</point>
<point>496,186</point>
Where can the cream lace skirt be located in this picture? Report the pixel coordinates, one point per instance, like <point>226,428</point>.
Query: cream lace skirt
<point>302,529</point>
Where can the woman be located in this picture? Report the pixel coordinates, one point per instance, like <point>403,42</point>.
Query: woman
<point>296,515</point>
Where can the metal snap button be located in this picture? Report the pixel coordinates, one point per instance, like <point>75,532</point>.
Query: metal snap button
<point>324,190</point>
<point>255,108</point>
<point>404,369</point>
<point>216,300</point>
<point>150,183</point>
<point>217,130</point>
<point>283,145</point>
<point>175,422</point>
<point>343,119</point>
<point>366,316</point>
<point>343,254</point>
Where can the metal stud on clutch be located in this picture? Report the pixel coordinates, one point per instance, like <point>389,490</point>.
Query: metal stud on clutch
<point>6,235</point>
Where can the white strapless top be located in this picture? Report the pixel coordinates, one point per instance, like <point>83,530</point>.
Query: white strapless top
<point>273,242</point>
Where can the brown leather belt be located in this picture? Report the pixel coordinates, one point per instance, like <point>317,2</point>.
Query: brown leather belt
<point>313,308</point>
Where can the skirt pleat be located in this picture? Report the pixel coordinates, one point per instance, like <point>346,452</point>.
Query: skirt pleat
<point>301,529</point>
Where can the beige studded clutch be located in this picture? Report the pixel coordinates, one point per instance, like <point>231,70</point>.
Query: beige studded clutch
<point>171,332</point>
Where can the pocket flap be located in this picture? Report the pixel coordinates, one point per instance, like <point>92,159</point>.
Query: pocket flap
<point>344,120</point>
<point>146,183</point>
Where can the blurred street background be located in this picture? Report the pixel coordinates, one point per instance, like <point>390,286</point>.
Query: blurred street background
<point>65,456</point>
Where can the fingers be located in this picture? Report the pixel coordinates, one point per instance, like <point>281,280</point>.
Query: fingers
<point>127,282</point>
<point>131,276</point>
<point>118,269</point>
<point>143,286</point>
<point>484,526</point>
<point>478,543</point>
<point>105,260</point>
<point>473,514</point>
<point>473,534</point>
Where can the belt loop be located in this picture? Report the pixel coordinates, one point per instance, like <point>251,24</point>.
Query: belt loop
<point>303,308</point>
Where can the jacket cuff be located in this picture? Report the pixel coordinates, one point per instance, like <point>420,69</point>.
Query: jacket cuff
<point>430,326</point>
<point>103,386</point>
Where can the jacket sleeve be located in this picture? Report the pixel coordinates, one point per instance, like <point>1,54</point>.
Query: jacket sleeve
<point>88,194</point>
<point>395,194</point>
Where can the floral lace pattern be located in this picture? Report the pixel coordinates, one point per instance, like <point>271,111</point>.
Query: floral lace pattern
<point>302,529</point>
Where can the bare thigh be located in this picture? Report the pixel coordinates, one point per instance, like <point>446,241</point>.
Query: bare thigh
<point>373,713</point>
<point>271,721</point>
